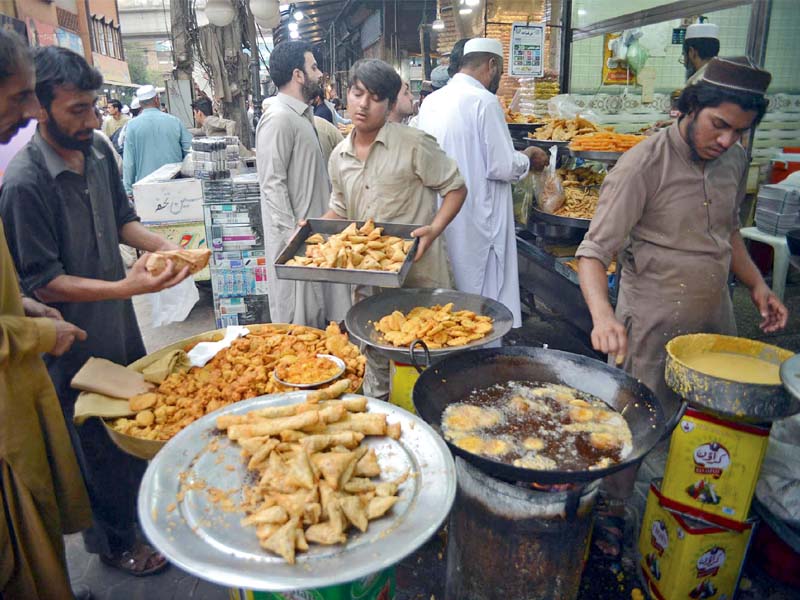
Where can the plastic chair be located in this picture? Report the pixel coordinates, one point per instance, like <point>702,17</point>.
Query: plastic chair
<point>780,256</point>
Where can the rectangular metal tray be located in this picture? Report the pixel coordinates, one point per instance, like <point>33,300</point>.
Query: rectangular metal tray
<point>327,227</point>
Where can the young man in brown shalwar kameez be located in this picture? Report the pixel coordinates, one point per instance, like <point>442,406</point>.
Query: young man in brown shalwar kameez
<point>41,490</point>
<point>669,210</point>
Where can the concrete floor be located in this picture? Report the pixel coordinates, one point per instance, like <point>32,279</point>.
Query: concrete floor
<point>421,576</point>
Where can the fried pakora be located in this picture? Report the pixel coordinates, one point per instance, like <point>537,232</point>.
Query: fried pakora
<point>438,326</point>
<point>242,371</point>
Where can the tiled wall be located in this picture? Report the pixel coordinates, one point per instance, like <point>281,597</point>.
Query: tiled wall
<point>587,55</point>
<point>783,46</point>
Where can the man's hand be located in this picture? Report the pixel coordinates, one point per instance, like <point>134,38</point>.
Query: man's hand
<point>427,235</point>
<point>537,157</point>
<point>772,310</point>
<point>609,337</point>
<point>33,308</point>
<point>140,281</point>
<point>66,334</point>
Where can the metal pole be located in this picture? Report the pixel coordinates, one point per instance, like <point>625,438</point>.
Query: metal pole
<point>566,46</point>
<point>758,31</point>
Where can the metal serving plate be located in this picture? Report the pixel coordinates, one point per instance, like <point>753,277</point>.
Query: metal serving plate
<point>360,318</point>
<point>201,538</point>
<point>608,157</point>
<point>546,144</point>
<point>327,227</point>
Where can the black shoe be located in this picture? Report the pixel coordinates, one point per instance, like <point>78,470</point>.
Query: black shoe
<point>82,592</point>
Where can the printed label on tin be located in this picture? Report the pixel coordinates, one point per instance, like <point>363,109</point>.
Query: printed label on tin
<point>659,537</point>
<point>709,564</point>
<point>711,459</point>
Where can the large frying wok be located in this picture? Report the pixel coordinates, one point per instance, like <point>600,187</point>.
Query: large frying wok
<point>454,377</point>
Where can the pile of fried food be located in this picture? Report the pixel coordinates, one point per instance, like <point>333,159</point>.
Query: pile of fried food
<point>579,203</point>
<point>314,479</point>
<point>521,119</point>
<point>306,369</point>
<point>364,248</point>
<point>437,326</point>
<point>605,141</point>
<point>562,130</point>
<point>581,192</point>
<point>244,370</point>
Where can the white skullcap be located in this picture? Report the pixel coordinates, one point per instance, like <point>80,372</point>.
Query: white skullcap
<point>135,103</point>
<point>484,45</point>
<point>125,110</point>
<point>145,93</point>
<point>702,30</point>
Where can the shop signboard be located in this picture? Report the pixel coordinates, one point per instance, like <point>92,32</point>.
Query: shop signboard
<point>526,58</point>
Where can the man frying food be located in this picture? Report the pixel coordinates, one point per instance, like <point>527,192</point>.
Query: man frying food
<point>669,211</point>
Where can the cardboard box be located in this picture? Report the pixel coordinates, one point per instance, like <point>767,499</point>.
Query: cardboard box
<point>713,467</point>
<point>166,197</point>
<point>684,558</point>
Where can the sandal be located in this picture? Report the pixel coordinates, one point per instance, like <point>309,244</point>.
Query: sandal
<point>140,561</point>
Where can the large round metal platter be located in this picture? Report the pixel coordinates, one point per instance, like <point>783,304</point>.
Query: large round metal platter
<point>200,537</point>
<point>547,143</point>
<point>608,157</point>
<point>360,319</point>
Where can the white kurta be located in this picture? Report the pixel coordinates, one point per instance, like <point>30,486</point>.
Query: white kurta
<point>470,126</point>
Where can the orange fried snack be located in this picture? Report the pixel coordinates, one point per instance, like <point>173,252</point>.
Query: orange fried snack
<point>242,371</point>
<point>605,141</point>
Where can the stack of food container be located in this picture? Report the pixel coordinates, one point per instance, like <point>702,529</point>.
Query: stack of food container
<point>778,209</point>
<point>697,524</point>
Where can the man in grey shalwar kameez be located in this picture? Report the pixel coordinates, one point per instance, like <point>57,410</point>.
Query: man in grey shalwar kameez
<point>294,185</point>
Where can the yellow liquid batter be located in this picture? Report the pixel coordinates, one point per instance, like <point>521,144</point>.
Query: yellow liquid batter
<point>735,367</point>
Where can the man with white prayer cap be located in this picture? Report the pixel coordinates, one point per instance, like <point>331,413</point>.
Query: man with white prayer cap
<point>467,120</point>
<point>700,45</point>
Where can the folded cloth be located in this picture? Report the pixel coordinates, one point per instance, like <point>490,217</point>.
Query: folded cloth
<point>90,405</point>
<point>176,361</point>
<point>105,377</point>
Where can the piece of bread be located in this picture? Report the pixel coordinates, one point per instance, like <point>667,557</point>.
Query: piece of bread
<point>196,260</point>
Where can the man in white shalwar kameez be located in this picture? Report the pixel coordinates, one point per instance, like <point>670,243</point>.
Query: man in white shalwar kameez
<point>468,122</point>
<point>293,178</point>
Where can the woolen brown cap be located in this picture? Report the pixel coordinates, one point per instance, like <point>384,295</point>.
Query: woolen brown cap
<point>736,73</point>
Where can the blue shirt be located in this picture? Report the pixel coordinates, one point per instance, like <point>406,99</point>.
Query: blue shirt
<point>152,140</point>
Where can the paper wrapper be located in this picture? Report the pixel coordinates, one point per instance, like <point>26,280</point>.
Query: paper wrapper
<point>107,407</point>
<point>104,377</point>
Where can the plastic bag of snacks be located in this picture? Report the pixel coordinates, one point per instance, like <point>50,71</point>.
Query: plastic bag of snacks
<point>549,192</point>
